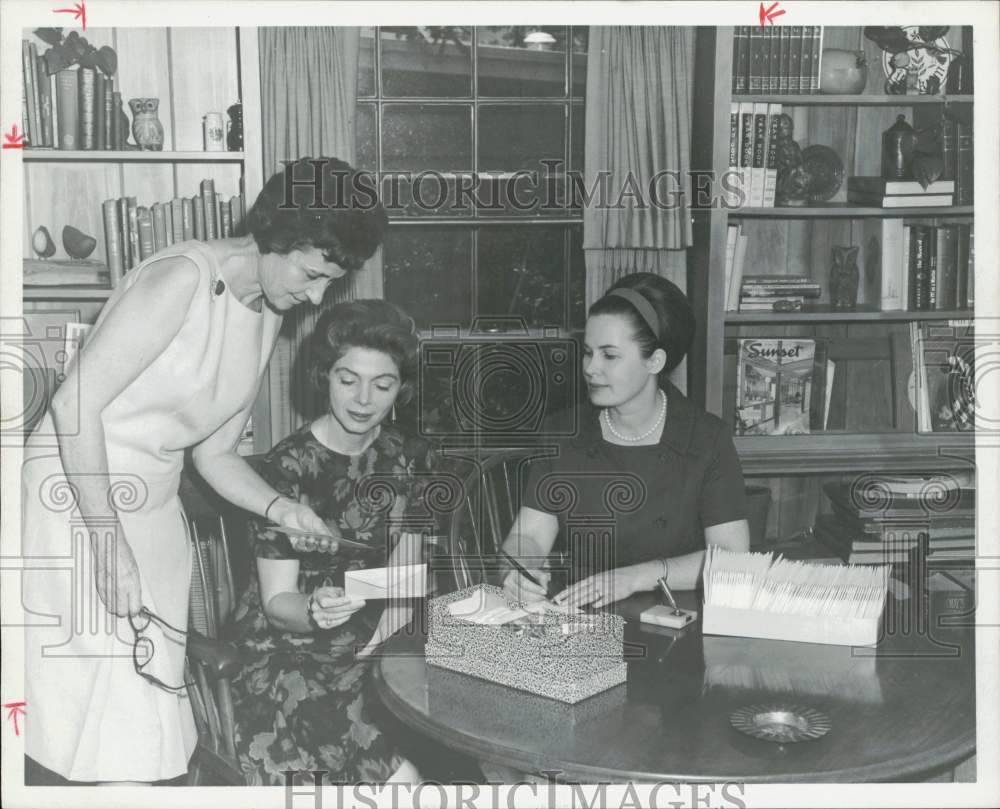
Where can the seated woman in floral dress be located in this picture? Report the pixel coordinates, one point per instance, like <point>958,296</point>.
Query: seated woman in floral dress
<point>303,700</point>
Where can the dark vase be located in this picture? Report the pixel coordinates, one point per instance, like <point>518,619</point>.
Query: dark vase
<point>844,277</point>
<point>897,150</point>
<point>234,139</point>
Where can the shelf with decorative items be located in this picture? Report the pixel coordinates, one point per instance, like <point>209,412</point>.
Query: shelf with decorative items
<point>825,264</point>
<point>103,192</point>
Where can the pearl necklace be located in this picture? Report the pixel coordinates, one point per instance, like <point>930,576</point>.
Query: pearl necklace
<point>656,425</point>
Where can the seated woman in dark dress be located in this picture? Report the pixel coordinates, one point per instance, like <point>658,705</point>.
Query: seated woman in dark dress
<point>302,700</point>
<point>648,481</point>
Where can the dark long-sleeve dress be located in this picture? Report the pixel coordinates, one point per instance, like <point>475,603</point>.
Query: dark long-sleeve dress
<point>303,701</point>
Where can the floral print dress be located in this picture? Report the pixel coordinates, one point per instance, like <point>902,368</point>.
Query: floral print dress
<point>304,701</point>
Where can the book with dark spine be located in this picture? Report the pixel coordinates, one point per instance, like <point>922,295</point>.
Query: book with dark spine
<point>946,268</point>
<point>133,232</point>
<point>734,149</point>
<point>108,112</point>
<point>970,295</point>
<point>145,220</point>
<point>30,131</point>
<point>198,213</point>
<point>962,266</point>
<point>126,245</point>
<point>88,108</point>
<point>44,88</point>
<point>209,207</point>
<point>113,240</point>
<point>794,59</point>
<point>805,60</point>
<point>817,58</point>
<point>159,226</point>
<point>118,134</point>
<point>756,60</point>
<point>918,268</point>
<point>177,219</point>
<point>949,150</point>
<point>785,36</point>
<point>740,37</point>
<point>964,168</point>
<point>226,220</point>
<point>881,187</point>
<point>774,50</point>
<point>931,276</point>
<point>168,222</point>
<point>99,120</point>
<point>68,108</point>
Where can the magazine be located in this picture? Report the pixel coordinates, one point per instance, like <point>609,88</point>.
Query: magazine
<point>778,389</point>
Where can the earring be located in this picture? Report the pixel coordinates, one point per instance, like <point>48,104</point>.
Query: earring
<point>393,412</point>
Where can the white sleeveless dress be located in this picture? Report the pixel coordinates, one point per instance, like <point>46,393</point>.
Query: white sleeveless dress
<point>90,716</point>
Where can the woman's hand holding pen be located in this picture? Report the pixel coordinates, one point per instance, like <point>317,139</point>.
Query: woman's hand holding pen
<point>290,513</point>
<point>520,587</point>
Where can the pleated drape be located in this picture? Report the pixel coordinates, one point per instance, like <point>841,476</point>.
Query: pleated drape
<point>638,126</point>
<point>308,82</point>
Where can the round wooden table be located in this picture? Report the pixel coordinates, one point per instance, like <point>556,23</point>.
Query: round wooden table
<point>904,710</point>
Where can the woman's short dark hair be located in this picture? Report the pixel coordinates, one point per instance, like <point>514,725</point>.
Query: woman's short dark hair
<point>322,203</point>
<point>369,323</point>
<point>673,311</point>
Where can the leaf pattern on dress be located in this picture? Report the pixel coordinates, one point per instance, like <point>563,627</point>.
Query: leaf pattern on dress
<point>301,699</point>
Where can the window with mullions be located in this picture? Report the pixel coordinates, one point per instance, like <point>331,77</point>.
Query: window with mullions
<point>471,132</point>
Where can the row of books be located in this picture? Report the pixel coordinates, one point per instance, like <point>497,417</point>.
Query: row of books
<point>753,153</point>
<point>783,386</point>
<point>77,108</point>
<point>134,232</point>
<point>924,266</point>
<point>776,293</point>
<point>889,533</point>
<point>779,60</point>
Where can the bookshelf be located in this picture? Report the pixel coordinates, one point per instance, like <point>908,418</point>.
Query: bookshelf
<point>798,240</point>
<point>192,71</point>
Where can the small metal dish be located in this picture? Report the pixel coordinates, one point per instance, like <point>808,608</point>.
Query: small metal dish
<point>780,723</point>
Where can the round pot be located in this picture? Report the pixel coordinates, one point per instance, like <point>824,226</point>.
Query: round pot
<point>842,72</point>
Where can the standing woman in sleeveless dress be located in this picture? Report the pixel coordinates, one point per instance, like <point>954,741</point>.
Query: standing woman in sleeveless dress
<point>173,363</point>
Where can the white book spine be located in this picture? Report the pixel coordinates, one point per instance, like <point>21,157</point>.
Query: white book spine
<point>759,155</point>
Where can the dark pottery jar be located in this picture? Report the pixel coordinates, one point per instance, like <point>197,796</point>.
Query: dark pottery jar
<point>897,150</point>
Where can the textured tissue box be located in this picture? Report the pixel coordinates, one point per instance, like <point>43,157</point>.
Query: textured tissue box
<point>563,657</point>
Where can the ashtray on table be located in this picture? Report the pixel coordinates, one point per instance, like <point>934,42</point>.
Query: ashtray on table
<point>781,723</point>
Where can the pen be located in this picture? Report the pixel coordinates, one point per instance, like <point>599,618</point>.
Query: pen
<point>520,568</point>
<point>670,596</point>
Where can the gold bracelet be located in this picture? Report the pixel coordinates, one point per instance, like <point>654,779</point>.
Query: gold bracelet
<point>277,497</point>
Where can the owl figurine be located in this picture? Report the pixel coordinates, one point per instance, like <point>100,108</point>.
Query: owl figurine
<point>844,277</point>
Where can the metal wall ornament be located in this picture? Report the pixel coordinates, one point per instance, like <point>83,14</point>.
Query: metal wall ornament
<point>813,174</point>
<point>915,59</point>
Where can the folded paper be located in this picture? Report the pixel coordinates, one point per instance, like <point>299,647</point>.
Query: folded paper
<point>400,581</point>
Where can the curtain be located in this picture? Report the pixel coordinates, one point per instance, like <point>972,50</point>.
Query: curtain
<point>638,121</point>
<point>308,83</point>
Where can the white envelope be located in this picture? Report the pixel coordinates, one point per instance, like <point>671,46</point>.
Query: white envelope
<point>402,581</point>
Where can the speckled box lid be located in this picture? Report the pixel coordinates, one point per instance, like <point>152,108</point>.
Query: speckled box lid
<point>567,658</point>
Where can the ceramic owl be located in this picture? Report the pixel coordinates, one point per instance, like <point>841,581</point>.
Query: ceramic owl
<point>146,126</point>
<point>844,277</point>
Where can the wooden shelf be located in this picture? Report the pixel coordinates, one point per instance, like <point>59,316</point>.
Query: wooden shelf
<point>136,156</point>
<point>827,314</point>
<point>851,452</point>
<point>860,100</point>
<point>846,210</point>
<point>67,292</point>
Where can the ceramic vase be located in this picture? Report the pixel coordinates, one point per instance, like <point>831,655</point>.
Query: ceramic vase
<point>234,138</point>
<point>844,277</point>
<point>146,127</point>
<point>843,72</point>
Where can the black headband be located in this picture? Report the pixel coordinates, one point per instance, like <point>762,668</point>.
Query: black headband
<point>642,306</point>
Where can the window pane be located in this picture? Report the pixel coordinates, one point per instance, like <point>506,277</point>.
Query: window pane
<point>580,38</point>
<point>366,63</point>
<point>521,136</point>
<point>522,272</point>
<point>365,143</point>
<point>427,194</point>
<point>430,61</point>
<point>428,272</point>
<point>517,60</point>
<point>426,136</point>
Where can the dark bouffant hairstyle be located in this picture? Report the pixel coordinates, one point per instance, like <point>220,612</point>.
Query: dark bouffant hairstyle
<point>344,219</point>
<point>674,313</point>
<point>369,323</point>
